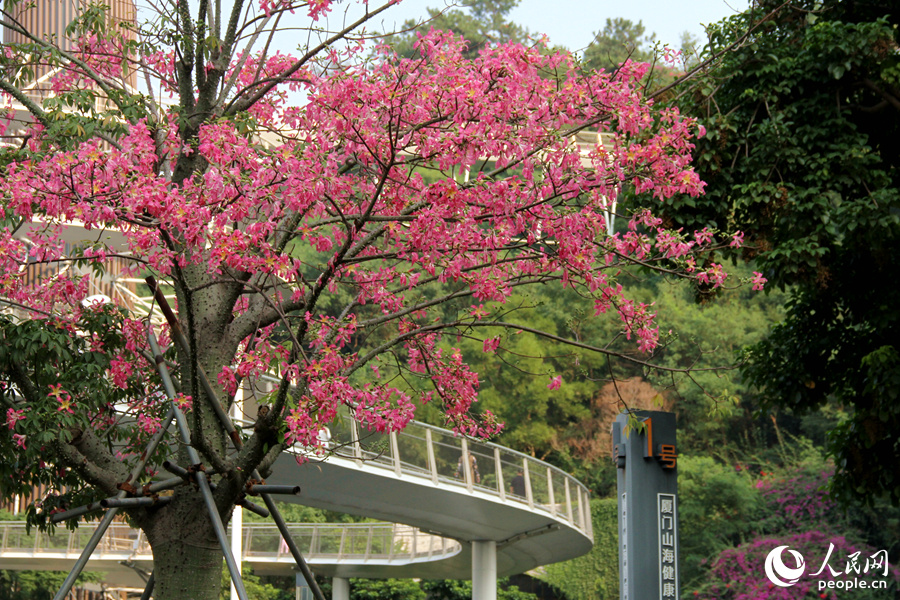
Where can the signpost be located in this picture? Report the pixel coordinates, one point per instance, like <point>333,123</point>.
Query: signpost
<point>647,489</point>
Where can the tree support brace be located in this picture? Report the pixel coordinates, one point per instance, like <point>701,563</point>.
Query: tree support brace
<point>111,513</point>
<point>226,422</point>
<point>199,475</point>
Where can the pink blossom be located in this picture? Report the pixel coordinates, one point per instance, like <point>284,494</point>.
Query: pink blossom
<point>183,402</point>
<point>491,344</point>
<point>555,382</point>
<point>758,281</point>
<point>120,371</point>
<point>13,416</point>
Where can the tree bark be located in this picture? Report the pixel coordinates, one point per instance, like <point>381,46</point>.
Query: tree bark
<point>187,558</point>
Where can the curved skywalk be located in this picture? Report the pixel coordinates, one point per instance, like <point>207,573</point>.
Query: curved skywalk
<point>415,479</point>
<point>411,477</point>
<point>124,553</point>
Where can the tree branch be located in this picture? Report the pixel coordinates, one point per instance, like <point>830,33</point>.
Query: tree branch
<point>88,456</point>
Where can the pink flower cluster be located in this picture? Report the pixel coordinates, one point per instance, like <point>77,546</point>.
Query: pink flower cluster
<point>401,186</point>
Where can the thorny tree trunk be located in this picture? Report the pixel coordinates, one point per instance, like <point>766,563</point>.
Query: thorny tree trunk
<point>187,558</point>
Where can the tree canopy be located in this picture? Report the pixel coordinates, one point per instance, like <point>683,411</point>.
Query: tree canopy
<point>801,155</point>
<point>479,22</point>
<point>342,242</point>
<point>619,40</point>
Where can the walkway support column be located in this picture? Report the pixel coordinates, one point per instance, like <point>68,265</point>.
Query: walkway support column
<point>237,517</point>
<point>484,570</point>
<point>340,588</point>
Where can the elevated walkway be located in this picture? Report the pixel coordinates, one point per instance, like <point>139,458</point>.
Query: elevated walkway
<point>439,505</point>
<point>124,553</point>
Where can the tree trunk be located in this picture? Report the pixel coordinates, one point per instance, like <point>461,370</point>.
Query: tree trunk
<point>187,558</point>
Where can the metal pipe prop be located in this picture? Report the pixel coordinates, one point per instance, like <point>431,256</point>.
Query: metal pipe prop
<point>75,512</point>
<point>171,467</point>
<point>259,488</point>
<point>79,565</point>
<point>242,502</point>
<point>295,551</point>
<point>148,589</point>
<point>159,486</point>
<point>236,440</point>
<point>135,502</point>
<point>181,340</point>
<point>145,491</point>
<point>200,476</point>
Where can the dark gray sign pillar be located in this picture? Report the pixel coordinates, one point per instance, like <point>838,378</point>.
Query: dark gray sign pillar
<point>647,478</point>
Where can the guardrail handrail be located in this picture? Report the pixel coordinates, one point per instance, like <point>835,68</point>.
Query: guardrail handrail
<point>419,448</point>
<point>368,541</point>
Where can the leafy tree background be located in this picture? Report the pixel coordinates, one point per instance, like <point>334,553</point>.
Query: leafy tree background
<point>801,155</point>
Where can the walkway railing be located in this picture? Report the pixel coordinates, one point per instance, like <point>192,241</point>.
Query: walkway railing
<point>318,541</point>
<point>436,454</point>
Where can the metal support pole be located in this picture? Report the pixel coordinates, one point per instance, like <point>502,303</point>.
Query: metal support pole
<point>238,443</point>
<point>484,570</point>
<point>148,589</point>
<point>237,548</point>
<point>75,512</point>
<point>200,476</point>
<point>111,513</point>
<point>340,588</point>
<point>134,502</point>
<point>295,552</point>
<point>86,554</point>
<point>288,490</point>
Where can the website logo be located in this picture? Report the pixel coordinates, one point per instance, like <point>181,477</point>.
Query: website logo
<point>779,573</point>
<point>857,567</point>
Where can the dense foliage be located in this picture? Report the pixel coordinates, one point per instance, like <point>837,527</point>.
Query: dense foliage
<point>342,244</point>
<point>801,155</point>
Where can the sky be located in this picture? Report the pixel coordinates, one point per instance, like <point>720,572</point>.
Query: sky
<point>572,23</point>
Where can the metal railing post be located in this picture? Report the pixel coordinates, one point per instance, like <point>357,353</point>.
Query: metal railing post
<point>314,541</point>
<point>569,503</point>
<point>393,542</point>
<point>529,495</point>
<point>581,510</point>
<point>395,451</point>
<point>467,465</point>
<point>432,463</point>
<point>550,491</point>
<point>354,439</point>
<point>498,467</point>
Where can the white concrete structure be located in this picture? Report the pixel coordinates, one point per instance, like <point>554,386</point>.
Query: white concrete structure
<point>456,525</point>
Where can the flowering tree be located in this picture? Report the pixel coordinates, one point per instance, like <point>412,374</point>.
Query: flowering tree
<point>333,218</point>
